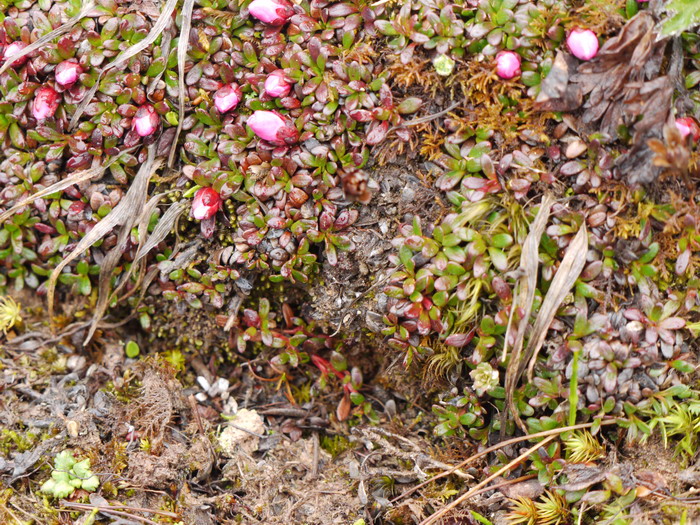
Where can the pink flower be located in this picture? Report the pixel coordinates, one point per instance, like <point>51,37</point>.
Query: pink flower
<point>273,127</point>
<point>582,43</point>
<point>67,73</point>
<point>205,204</point>
<point>227,98</point>
<point>273,12</point>
<point>45,103</point>
<point>507,65</point>
<point>688,126</point>
<point>146,120</point>
<point>14,48</point>
<point>277,84</point>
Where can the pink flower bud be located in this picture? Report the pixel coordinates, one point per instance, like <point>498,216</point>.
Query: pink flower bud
<point>45,103</point>
<point>14,48</point>
<point>273,127</point>
<point>67,73</point>
<point>582,43</point>
<point>227,98</point>
<point>146,120</point>
<point>273,12</point>
<point>205,204</point>
<point>507,65</point>
<point>688,126</point>
<point>277,84</point>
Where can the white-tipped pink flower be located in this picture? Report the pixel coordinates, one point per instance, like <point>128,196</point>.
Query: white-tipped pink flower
<point>45,103</point>
<point>227,98</point>
<point>583,43</point>
<point>205,204</point>
<point>507,65</point>
<point>273,127</point>
<point>14,48</point>
<point>273,12</point>
<point>67,73</point>
<point>277,84</point>
<point>146,120</point>
<point>688,126</point>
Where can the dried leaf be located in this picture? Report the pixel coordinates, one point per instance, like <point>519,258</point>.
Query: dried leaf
<point>128,212</point>
<point>75,178</point>
<point>343,409</point>
<point>567,273</point>
<point>524,296</point>
<point>40,43</point>
<point>125,55</point>
<point>181,59</point>
<point>118,215</point>
<point>581,476</point>
<point>163,228</point>
<point>556,93</point>
<point>623,82</point>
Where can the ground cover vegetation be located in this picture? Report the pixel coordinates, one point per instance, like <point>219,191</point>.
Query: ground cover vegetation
<point>311,261</point>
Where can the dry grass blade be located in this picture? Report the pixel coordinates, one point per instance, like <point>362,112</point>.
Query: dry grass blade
<point>165,51</point>
<point>181,58</point>
<point>143,221</point>
<point>498,446</point>
<point>146,243</point>
<point>118,215</point>
<point>439,514</point>
<point>569,270</point>
<point>127,54</point>
<point>162,229</point>
<point>48,37</point>
<point>130,210</point>
<point>523,299</point>
<point>75,178</point>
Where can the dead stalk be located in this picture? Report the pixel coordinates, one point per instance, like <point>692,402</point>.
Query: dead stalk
<point>439,514</point>
<point>502,444</point>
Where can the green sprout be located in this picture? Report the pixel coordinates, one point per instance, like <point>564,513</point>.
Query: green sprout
<point>68,475</point>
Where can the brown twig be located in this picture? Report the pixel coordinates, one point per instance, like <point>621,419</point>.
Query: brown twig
<point>109,510</point>
<point>499,446</point>
<point>439,514</point>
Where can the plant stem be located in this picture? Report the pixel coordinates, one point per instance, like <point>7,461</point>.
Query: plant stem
<point>573,389</point>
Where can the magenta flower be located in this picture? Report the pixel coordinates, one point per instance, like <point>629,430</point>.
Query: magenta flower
<point>273,127</point>
<point>205,204</point>
<point>583,43</point>
<point>688,126</point>
<point>67,73</point>
<point>273,12</point>
<point>14,48</point>
<point>277,84</point>
<point>227,98</point>
<point>45,103</point>
<point>507,65</point>
<point>146,120</point>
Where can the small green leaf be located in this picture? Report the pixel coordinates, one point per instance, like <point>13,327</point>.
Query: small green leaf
<point>132,349</point>
<point>91,483</point>
<point>685,15</point>
<point>64,461</point>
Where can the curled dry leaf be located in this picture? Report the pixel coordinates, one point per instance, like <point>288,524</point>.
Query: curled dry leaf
<point>523,299</point>
<point>567,274</point>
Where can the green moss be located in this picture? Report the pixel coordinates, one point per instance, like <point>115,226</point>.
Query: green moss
<point>335,445</point>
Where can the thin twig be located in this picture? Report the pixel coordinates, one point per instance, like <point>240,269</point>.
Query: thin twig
<point>108,510</point>
<point>499,446</point>
<point>427,118</point>
<point>439,514</point>
<point>316,454</point>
